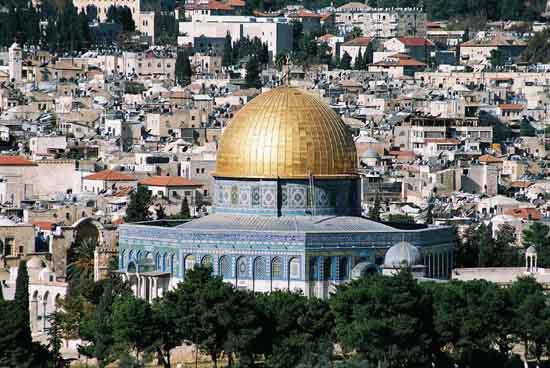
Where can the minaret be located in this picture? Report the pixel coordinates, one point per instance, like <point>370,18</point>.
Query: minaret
<point>15,58</point>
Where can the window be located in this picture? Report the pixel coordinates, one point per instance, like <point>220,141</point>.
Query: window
<point>276,270</point>
<point>187,193</point>
<point>259,268</point>
<point>242,268</point>
<point>207,262</point>
<point>189,262</point>
<point>225,267</point>
<point>21,249</point>
<point>8,248</point>
<point>294,268</point>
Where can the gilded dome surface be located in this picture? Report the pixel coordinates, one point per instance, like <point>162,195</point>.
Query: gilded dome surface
<point>286,133</point>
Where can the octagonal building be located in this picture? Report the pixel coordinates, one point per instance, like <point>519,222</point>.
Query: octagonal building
<point>286,210</point>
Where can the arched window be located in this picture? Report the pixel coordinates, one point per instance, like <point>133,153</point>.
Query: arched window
<point>294,268</point>
<point>158,262</point>
<point>225,267</point>
<point>242,268</point>
<point>343,268</point>
<point>189,263</point>
<point>259,268</point>
<point>276,268</point>
<point>313,268</point>
<point>172,265</point>
<point>327,268</point>
<point>207,262</point>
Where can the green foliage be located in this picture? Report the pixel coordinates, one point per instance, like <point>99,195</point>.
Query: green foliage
<point>55,336</point>
<point>537,234</point>
<point>497,58</point>
<point>67,31</point>
<point>23,347</point>
<point>133,328</point>
<point>526,129</point>
<point>345,62</point>
<point>538,48</point>
<point>134,88</point>
<point>251,48</point>
<point>374,211</point>
<point>138,206</point>
<point>183,70</point>
<point>385,319</point>
<point>400,218</point>
<point>98,330</point>
<point>252,78</point>
<point>81,262</point>
<point>121,15</point>
<point>227,58</point>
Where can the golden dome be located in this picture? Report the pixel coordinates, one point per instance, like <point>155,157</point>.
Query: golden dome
<point>286,133</point>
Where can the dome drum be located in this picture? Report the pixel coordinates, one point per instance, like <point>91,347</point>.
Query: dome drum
<point>286,197</point>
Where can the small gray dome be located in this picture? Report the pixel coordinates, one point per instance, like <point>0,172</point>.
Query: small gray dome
<point>370,153</point>
<point>402,254</point>
<point>531,251</point>
<point>35,263</point>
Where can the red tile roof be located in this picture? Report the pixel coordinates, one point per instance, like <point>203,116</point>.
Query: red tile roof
<point>217,5</point>
<point>307,14</point>
<point>44,225</point>
<point>326,37</point>
<point>442,140</point>
<point>237,3</point>
<point>359,41</point>
<point>511,107</point>
<point>415,41</point>
<point>489,159</point>
<point>169,181</point>
<point>521,184</point>
<point>400,60</point>
<point>15,161</point>
<point>110,175</point>
<point>524,213</point>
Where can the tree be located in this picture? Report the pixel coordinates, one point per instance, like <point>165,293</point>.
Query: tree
<point>497,58</point>
<point>132,325</point>
<point>531,320</point>
<point>227,59</point>
<point>358,65</point>
<point>160,212</point>
<point>252,78</point>
<point>505,253</point>
<point>167,334</point>
<point>355,32</point>
<point>22,353</point>
<point>81,262</point>
<point>138,206</point>
<point>55,337</point>
<point>385,320</point>
<point>183,69</point>
<point>98,330</point>
<point>526,129</point>
<point>374,211</point>
<point>537,234</point>
<point>538,48</point>
<point>185,211</point>
<point>470,319</point>
<point>121,15</point>
<point>345,62</point>
<point>296,330</point>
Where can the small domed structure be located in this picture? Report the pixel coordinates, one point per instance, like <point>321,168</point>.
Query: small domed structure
<point>35,263</point>
<point>4,221</point>
<point>531,251</point>
<point>370,154</point>
<point>402,254</point>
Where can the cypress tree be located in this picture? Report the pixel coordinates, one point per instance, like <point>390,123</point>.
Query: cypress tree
<point>358,61</point>
<point>185,211</point>
<point>22,351</point>
<point>252,78</point>
<point>227,58</point>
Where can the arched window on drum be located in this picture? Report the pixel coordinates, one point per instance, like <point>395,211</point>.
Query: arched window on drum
<point>276,268</point>
<point>225,267</point>
<point>207,262</point>
<point>294,268</point>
